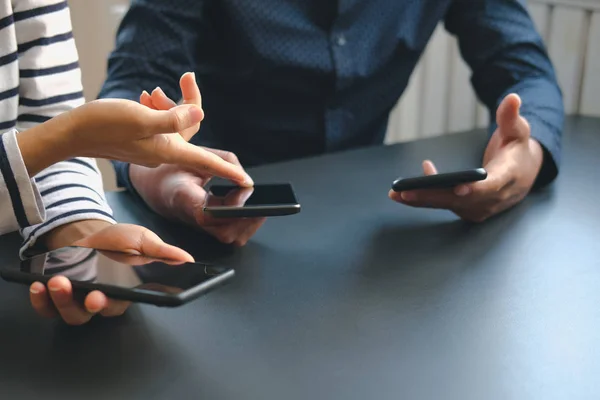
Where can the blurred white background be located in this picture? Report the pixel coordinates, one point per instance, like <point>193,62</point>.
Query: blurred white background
<point>439,98</point>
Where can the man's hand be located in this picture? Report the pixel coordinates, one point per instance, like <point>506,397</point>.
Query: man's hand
<point>178,193</point>
<point>57,298</point>
<point>512,159</point>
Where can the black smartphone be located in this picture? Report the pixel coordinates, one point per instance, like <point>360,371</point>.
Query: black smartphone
<point>439,181</point>
<point>263,200</point>
<point>122,276</point>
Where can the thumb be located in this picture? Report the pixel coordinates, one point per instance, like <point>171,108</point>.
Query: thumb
<point>429,168</point>
<point>176,119</point>
<point>153,246</point>
<point>133,239</point>
<point>511,125</point>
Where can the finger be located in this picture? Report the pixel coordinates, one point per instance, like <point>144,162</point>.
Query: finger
<point>153,246</point>
<point>146,100</point>
<point>97,302</point>
<point>228,231</point>
<point>462,190</point>
<point>429,168</point>
<point>61,293</point>
<point>176,119</point>
<point>225,155</point>
<point>190,90</point>
<point>252,227</point>
<point>512,126</point>
<point>115,308</point>
<point>40,300</point>
<point>161,100</point>
<point>238,197</point>
<point>499,178</point>
<point>189,155</point>
<point>440,199</point>
<point>187,202</point>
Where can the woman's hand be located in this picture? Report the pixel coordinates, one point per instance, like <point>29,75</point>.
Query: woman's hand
<point>57,297</point>
<point>126,131</point>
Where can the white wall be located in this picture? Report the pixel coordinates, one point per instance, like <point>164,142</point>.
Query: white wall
<point>94,26</point>
<point>439,98</point>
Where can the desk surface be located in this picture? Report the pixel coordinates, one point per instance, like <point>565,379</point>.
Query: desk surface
<point>356,297</point>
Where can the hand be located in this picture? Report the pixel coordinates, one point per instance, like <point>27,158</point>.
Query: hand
<point>512,159</point>
<point>178,193</point>
<point>127,131</point>
<point>132,239</point>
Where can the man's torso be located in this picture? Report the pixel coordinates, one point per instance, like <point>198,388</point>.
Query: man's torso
<point>296,77</point>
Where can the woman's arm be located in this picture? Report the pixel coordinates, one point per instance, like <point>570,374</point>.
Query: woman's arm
<point>20,200</point>
<point>49,85</point>
<point>55,125</point>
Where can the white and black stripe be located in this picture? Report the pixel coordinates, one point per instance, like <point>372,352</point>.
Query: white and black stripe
<point>41,79</point>
<point>78,264</point>
<point>17,189</point>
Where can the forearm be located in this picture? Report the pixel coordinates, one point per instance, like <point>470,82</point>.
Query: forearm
<point>499,42</point>
<point>46,144</point>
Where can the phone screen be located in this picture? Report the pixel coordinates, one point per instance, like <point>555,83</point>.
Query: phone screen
<point>121,270</point>
<point>259,195</point>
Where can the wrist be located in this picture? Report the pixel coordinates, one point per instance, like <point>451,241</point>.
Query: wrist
<point>66,235</point>
<point>45,144</point>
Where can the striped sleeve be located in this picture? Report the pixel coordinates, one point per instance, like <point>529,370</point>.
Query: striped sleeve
<point>50,84</point>
<point>17,189</point>
<point>79,264</point>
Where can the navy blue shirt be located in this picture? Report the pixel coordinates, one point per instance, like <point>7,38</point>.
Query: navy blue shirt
<point>282,79</point>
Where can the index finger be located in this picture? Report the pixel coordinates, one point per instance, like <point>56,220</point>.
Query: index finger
<point>225,155</point>
<point>238,197</point>
<point>201,159</point>
<point>61,293</point>
<point>40,300</point>
<point>498,179</point>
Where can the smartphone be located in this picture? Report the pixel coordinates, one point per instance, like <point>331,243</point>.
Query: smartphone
<point>122,276</point>
<point>264,200</point>
<point>440,181</point>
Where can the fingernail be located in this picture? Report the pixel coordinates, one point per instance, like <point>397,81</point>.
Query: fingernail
<point>146,93</point>
<point>158,89</point>
<point>406,196</point>
<point>194,75</point>
<point>54,289</point>
<point>249,182</point>
<point>94,310</point>
<point>518,98</point>
<point>34,291</point>
<point>462,191</point>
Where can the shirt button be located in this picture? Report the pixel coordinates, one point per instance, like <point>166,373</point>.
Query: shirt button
<point>341,40</point>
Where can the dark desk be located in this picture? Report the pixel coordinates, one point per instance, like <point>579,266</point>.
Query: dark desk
<point>354,298</point>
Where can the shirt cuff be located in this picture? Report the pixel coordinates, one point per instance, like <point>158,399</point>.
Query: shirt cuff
<point>31,246</point>
<point>123,178</point>
<point>27,203</point>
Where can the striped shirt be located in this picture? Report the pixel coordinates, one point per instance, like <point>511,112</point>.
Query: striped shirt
<point>41,79</point>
